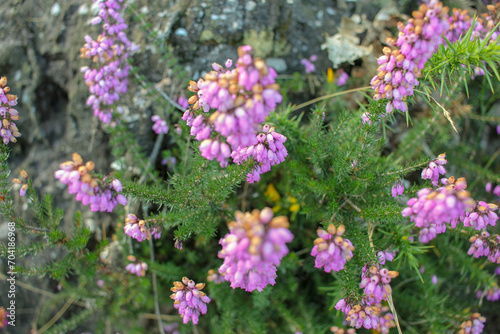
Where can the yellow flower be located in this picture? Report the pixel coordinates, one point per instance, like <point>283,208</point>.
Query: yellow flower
<point>272,193</point>
<point>329,75</point>
<point>276,208</point>
<point>295,207</point>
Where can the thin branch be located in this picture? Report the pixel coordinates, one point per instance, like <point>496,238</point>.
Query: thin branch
<point>60,312</point>
<point>155,287</point>
<point>321,98</point>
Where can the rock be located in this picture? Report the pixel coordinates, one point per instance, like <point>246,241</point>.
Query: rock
<point>279,64</point>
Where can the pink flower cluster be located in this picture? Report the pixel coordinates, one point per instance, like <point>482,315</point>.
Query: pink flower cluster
<point>386,321</point>
<point>253,248</point>
<point>485,245</point>
<point>102,195</point>
<point>492,293</point>
<point>367,314</point>
<point>375,283</point>
<point>331,250</point>
<point>358,316</point>
<point>417,41</point>
<point>138,229</point>
<point>460,22</point>
<point>189,299</point>
<point>433,209</point>
<point>474,325</point>
<point>241,99</point>
<point>342,77</point>
<point>482,216</point>
<point>496,190</point>
<point>308,63</point>
<point>8,129</point>
<point>110,51</point>
<point>434,169</point>
<point>137,267</point>
<point>266,152</point>
<point>397,189</point>
<point>160,126</point>
<point>486,22</point>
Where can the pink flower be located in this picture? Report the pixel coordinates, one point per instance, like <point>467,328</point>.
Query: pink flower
<point>331,250</point>
<point>141,229</point>
<point>375,283</point>
<point>433,209</point>
<point>137,267</point>
<point>231,103</point>
<point>400,68</point>
<point>110,52</point>
<point>267,151</point>
<point>397,189</point>
<point>160,126</point>
<point>485,244</point>
<point>308,63</point>
<point>474,325</point>
<point>341,78</point>
<point>189,300</point>
<point>100,194</point>
<point>482,216</point>
<point>434,169</point>
<point>8,129</point>
<point>252,249</point>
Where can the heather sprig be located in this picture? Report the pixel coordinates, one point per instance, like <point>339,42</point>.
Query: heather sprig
<point>253,248</point>
<point>331,250</point>
<point>101,194</point>
<point>241,99</point>
<point>8,129</point>
<point>109,53</point>
<point>189,299</point>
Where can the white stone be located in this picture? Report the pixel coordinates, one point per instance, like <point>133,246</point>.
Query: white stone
<point>250,5</point>
<point>56,9</point>
<point>84,9</point>
<point>279,64</point>
<point>181,32</point>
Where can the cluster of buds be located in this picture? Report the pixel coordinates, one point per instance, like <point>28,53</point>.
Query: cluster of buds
<point>139,229</point>
<point>160,126</point>
<point>25,185</point>
<point>241,99</point>
<point>8,129</point>
<point>338,330</point>
<point>363,316</point>
<point>137,267</point>
<point>474,325</point>
<point>376,282</point>
<point>435,169</point>
<point>102,195</point>
<point>433,209</point>
<point>492,293</point>
<point>401,67</point>
<point>213,276</point>
<point>331,250</point>
<point>486,22</point>
<point>189,299</point>
<point>482,216</point>
<point>385,321</point>
<point>110,51</point>
<point>268,151</point>
<point>460,22</point>
<point>485,244</point>
<point>253,248</point>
